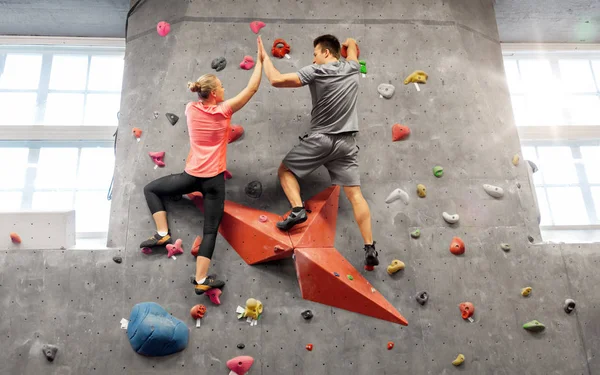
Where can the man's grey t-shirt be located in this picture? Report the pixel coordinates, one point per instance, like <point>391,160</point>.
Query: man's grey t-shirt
<point>334,90</point>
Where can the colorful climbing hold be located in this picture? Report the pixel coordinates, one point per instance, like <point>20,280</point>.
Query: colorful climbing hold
<point>569,306</point>
<point>525,292</point>
<point>415,233</point>
<point>263,218</point>
<point>369,267</point>
<point>241,346</point>
<point>493,191</point>
<point>117,260</point>
<point>418,76</point>
<point>163,28</point>
<point>390,345</point>
<point>172,118</point>
<point>399,132</point>
<point>219,63</point>
<point>422,297</point>
<point>336,274</point>
<point>344,51</point>
<point>174,249</point>
<point>196,246</point>
<point>198,311</point>
<point>386,90</point>
<point>15,238</point>
<point>227,175</point>
<point>254,308</point>
<point>457,246</point>
<point>50,351</point>
<point>534,326</point>
<point>505,247</point>
<point>438,171</point>
<point>307,314</point>
<point>421,190</point>
<point>459,360</point>
<point>158,158</point>
<point>236,132</point>
<point>530,238</point>
<point>240,365</point>
<point>450,219</point>
<point>395,266</point>
<point>350,277</point>
<point>137,132</point>
<point>280,48</point>
<point>363,66</point>
<point>253,189</point>
<point>397,194</point>
<point>255,26</point>
<point>466,309</point>
<point>214,294</point>
<point>309,347</point>
<point>515,160</point>
<point>247,63</point>
<point>147,250</point>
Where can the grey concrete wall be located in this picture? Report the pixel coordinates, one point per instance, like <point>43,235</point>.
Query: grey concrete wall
<point>461,120</point>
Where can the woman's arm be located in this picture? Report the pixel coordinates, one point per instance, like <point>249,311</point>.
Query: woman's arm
<point>239,101</point>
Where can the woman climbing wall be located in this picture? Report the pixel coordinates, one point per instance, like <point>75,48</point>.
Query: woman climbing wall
<point>209,125</point>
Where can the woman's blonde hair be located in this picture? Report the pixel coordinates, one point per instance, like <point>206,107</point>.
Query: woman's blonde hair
<point>204,85</point>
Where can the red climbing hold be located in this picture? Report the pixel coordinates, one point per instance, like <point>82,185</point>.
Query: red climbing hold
<point>175,249</point>
<point>196,245</point>
<point>399,132</point>
<point>280,48</point>
<point>457,246</point>
<point>466,309</point>
<point>255,26</point>
<point>236,132</point>
<point>137,132</point>
<point>214,295</point>
<point>163,28</point>
<point>240,365</point>
<point>157,158</point>
<point>227,175</point>
<point>345,51</point>
<point>247,63</point>
<point>309,347</point>
<point>369,268</point>
<point>390,345</point>
<point>198,311</point>
<point>15,238</point>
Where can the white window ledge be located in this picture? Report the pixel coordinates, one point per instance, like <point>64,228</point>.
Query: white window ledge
<point>56,133</point>
<point>559,133</point>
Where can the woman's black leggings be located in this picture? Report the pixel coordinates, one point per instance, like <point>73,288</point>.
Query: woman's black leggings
<point>213,191</point>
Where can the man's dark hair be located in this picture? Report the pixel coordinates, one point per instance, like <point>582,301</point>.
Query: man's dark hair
<point>329,42</point>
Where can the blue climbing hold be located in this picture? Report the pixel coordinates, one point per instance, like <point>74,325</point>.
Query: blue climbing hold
<point>153,332</point>
<point>336,274</point>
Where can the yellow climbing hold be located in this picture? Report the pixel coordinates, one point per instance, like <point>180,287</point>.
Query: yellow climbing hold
<point>396,266</point>
<point>418,76</point>
<point>421,190</point>
<point>459,360</point>
<point>525,292</point>
<point>515,160</point>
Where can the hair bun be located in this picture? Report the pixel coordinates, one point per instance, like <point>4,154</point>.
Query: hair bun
<point>194,86</point>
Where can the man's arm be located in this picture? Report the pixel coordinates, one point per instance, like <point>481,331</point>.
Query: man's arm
<point>275,77</point>
<point>352,50</point>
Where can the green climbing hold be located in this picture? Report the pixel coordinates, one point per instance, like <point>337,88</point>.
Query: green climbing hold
<point>416,233</point>
<point>350,277</point>
<point>534,326</point>
<point>363,66</point>
<point>438,171</point>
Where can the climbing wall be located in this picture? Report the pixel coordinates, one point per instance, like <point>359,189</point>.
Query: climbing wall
<point>460,120</point>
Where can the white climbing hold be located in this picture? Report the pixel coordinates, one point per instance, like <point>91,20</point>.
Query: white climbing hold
<point>386,90</point>
<point>397,194</point>
<point>450,219</point>
<point>494,191</point>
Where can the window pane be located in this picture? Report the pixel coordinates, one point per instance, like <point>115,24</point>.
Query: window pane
<point>102,109</point>
<point>69,72</point>
<point>596,67</point>
<point>106,73</point>
<point>584,109</point>
<point>576,75</point>
<point>537,75</point>
<point>513,78</point>
<point>10,200</point>
<point>544,109</point>
<point>17,108</point>
<point>52,200</point>
<point>57,168</point>
<point>64,109</point>
<point>96,168</point>
<point>567,206</point>
<point>519,109</point>
<point>543,204</point>
<point>15,166</point>
<point>92,211</point>
<point>591,158</point>
<point>596,197</point>
<point>557,165</point>
<point>21,72</point>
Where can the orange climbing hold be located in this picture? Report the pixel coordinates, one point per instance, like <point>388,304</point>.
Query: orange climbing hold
<point>15,238</point>
<point>196,245</point>
<point>466,309</point>
<point>390,345</point>
<point>457,246</point>
<point>198,311</point>
<point>399,132</point>
<point>280,48</point>
<point>137,132</point>
<point>309,347</point>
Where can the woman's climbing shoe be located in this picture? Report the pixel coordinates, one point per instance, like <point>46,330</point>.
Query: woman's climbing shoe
<point>371,255</point>
<point>211,282</point>
<point>293,219</point>
<point>157,240</point>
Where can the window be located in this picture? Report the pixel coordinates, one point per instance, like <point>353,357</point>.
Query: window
<point>59,100</point>
<point>555,95</point>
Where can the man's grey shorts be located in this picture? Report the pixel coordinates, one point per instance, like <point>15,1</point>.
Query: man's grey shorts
<point>337,152</point>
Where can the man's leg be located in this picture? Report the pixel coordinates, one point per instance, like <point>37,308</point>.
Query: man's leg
<point>290,186</point>
<point>362,214</point>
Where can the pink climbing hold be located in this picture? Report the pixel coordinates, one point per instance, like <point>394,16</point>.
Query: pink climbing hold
<point>263,218</point>
<point>236,132</point>
<point>214,295</point>
<point>147,250</point>
<point>174,249</point>
<point>240,365</point>
<point>163,28</point>
<point>228,175</point>
<point>248,63</point>
<point>157,158</point>
<point>255,26</point>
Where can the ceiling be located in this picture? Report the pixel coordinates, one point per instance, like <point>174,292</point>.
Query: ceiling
<point>519,21</point>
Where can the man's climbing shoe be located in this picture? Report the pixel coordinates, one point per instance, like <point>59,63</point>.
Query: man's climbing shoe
<point>293,219</point>
<point>211,282</point>
<point>371,257</point>
<point>156,240</point>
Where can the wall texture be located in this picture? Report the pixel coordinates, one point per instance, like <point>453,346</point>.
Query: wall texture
<point>461,119</point>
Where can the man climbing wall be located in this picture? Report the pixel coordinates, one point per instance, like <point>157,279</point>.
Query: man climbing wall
<point>331,142</point>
